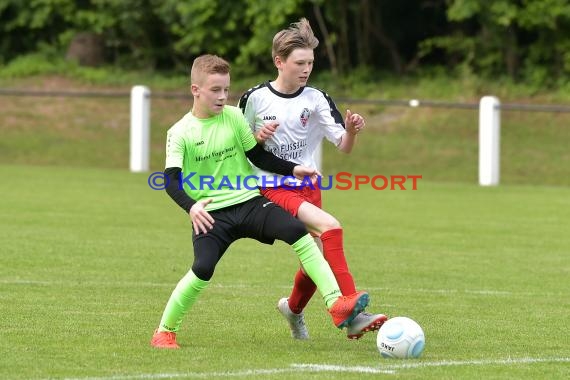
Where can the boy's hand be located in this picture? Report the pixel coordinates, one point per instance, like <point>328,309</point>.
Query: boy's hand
<point>266,132</point>
<point>353,122</point>
<point>202,221</point>
<point>300,172</point>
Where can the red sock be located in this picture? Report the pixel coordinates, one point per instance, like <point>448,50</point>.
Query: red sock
<point>334,254</point>
<point>303,290</point>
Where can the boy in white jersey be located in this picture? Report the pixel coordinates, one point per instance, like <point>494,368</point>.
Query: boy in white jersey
<point>291,119</point>
<point>207,154</point>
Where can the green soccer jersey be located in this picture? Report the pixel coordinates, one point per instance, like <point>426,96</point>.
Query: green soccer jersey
<point>211,153</point>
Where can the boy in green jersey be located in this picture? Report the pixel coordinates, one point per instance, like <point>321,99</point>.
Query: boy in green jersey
<point>207,154</point>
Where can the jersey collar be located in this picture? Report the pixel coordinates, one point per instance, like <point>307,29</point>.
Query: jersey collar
<point>282,95</point>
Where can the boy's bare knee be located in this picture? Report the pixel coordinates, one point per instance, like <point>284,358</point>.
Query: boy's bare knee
<point>329,224</point>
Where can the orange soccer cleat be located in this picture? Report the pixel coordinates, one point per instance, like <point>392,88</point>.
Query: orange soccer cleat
<point>164,339</point>
<point>346,308</point>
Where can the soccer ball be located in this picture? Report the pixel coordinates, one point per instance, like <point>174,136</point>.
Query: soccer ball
<point>400,338</point>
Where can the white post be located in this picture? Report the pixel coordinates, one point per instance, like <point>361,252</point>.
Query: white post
<point>489,136</point>
<point>140,128</point>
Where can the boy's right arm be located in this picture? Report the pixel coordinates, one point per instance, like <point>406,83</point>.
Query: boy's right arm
<point>175,190</point>
<point>175,150</point>
<point>266,132</point>
<point>202,221</point>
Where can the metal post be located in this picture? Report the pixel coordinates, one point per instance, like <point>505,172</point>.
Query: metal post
<point>140,129</point>
<point>489,137</point>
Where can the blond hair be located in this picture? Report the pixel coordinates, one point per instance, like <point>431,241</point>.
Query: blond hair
<point>208,64</point>
<point>299,35</point>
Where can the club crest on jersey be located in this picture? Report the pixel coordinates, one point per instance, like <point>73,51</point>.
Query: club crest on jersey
<point>305,116</point>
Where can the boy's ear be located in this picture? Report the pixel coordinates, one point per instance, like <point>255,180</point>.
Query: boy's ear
<point>277,61</point>
<point>195,89</point>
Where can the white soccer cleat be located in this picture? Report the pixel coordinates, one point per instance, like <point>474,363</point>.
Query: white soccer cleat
<point>364,322</point>
<point>296,321</point>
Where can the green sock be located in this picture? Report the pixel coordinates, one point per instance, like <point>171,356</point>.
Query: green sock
<point>181,299</point>
<point>317,268</point>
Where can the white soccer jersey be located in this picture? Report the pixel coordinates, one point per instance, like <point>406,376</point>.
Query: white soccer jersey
<point>305,118</point>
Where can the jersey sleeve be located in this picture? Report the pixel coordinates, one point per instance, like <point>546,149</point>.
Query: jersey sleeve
<point>174,149</point>
<point>245,134</point>
<point>330,119</point>
<point>248,109</point>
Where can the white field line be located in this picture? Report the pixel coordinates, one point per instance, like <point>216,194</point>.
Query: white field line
<point>243,373</point>
<point>508,361</point>
<point>311,368</point>
<point>449,363</point>
<point>483,292</point>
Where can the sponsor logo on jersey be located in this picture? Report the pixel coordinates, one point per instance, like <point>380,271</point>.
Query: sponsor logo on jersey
<point>305,116</point>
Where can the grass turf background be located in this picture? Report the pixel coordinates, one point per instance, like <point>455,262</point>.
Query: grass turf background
<point>90,256</point>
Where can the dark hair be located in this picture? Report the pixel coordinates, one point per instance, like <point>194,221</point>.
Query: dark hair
<point>298,36</point>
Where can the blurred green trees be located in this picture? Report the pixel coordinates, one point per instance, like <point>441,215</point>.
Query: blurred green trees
<point>526,40</point>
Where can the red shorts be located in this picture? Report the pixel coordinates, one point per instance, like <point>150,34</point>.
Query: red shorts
<point>291,198</point>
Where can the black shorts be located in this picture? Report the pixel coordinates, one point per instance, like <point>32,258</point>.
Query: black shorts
<point>257,218</point>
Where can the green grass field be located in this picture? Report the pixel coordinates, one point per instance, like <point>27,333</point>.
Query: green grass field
<point>90,256</point>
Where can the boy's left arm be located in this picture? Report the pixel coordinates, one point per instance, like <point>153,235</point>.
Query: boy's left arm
<point>271,163</point>
<point>354,123</point>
